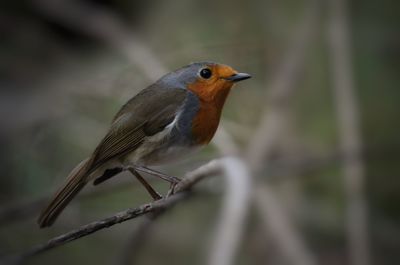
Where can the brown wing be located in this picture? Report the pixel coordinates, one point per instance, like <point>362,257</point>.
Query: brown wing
<point>145,114</point>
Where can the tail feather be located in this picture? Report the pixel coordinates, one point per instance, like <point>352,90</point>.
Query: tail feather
<point>76,180</point>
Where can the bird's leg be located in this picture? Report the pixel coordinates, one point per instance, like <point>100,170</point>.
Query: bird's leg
<point>154,194</point>
<point>170,179</point>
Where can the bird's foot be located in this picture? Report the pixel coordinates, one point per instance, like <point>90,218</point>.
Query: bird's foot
<point>171,190</point>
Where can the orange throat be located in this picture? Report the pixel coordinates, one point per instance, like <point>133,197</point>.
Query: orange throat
<point>206,121</point>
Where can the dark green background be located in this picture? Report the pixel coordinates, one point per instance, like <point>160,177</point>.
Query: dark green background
<point>60,87</point>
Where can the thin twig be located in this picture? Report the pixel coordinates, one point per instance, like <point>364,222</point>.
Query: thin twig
<point>349,132</point>
<point>93,227</point>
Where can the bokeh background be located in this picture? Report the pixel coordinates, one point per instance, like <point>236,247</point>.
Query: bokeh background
<point>318,125</point>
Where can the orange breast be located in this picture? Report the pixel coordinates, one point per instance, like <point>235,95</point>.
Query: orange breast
<point>206,121</point>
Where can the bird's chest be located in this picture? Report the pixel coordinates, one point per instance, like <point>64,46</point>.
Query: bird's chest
<point>205,123</point>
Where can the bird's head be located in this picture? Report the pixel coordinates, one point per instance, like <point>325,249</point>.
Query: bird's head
<point>208,80</point>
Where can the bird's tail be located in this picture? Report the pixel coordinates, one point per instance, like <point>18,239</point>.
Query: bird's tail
<point>76,180</point>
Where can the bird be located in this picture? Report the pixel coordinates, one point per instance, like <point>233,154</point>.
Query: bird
<point>174,116</point>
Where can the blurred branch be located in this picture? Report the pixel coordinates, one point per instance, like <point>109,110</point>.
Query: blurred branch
<point>268,133</point>
<point>349,132</point>
<point>233,213</point>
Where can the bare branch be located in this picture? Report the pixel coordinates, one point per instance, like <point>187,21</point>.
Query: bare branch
<point>349,132</point>
<point>190,179</point>
<point>104,223</point>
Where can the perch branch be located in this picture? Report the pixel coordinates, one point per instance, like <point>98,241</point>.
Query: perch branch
<point>104,223</point>
<point>190,179</point>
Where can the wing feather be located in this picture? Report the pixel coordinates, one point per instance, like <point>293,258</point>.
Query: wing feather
<point>144,115</point>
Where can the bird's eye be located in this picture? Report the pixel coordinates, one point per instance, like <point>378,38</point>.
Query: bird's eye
<point>205,73</point>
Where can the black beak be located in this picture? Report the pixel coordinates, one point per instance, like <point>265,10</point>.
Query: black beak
<point>238,77</point>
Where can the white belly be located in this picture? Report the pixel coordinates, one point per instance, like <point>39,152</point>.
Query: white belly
<point>156,150</point>
<point>145,156</point>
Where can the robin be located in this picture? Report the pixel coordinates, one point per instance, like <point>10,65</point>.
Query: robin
<point>178,113</point>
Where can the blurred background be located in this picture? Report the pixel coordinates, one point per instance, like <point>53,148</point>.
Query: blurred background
<point>317,125</point>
